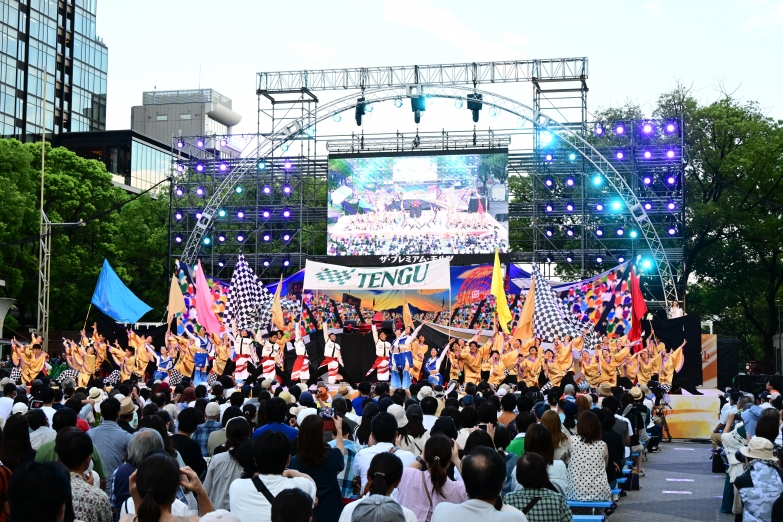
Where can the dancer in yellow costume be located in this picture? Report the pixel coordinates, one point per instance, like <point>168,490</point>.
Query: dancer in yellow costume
<point>532,363</point>
<point>589,367</point>
<point>124,359</point>
<point>472,358</point>
<point>669,364</point>
<point>609,363</point>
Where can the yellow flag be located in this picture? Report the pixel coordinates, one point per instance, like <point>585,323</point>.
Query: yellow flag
<point>498,290</point>
<point>407,318</point>
<point>176,299</point>
<point>277,310</point>
<point>525,324</point>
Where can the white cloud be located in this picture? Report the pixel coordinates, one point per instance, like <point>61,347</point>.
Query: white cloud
<point>772,17</point>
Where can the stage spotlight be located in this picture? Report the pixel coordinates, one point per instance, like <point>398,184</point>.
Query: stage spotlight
<point>671,205</point>
<point>475,104</point>
<point>619,129</point>
<point>599,232</point>
<point>671,127</point>
<point>633,234</point>
<point>180,167</point>
<point>549,207</point>
<point>647,128</point>
<point>620,231</point>
<point>207,240</point>
<point>599,131</point>
<point>336,117</point>
<point>238,189</point>
<point>223,142</point>
<point>266,236</point>
<point>418,105</point>
<point>599,207</point>
<point>198,215</point>
<point>266,262</point>
<point>267,189</point>
<point>286,213</point>
<point>360,106</point>
<point>200,143</point>
<point>180,144</point>
<point>616,205</point>
<point>520,122</point>
<point>368,107</point>
<point>648,205</point>
<point>621,258</point>
<point>199,191</point>
<point>646,263</point>
<point>546,138</point>
<point>493,111</point>
<point>549,257</point>
<point>266,213</point>
<point>597,179</point>
<point>286,189</point>
<point>669,154</point>
<point>550,232</point>
<point>647,154</point>
<point>569,182</point>
<point>199,167</point>
<point>572,156</point>
<point>178,215</point>
<point>398,102</point>
<point>222,213</point>
<point>671,179</point>
<point>599,259</point>
<point>286,262</point>
<point>570,232</point>
<point>286,236</point>
<point>548,157</point>
<point>223,167</point>
<point>178,239</point>
<point>458,103</point>
<point>221,237</point>
<point>221,263</point>
<point>240,237</point>
<point>647,179</point>
<point>261,165</point>
<point>287,164</point>
<point>549,182</point>
<point>570,206</point>
<point>619,154</point>
<point>570,257</point>
<point>241,214</point>
<point>672,230</point>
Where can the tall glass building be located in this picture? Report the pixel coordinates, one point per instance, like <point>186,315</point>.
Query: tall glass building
<point>53,40</point>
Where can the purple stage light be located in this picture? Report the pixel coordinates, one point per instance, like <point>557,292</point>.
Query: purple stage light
<point>599,207</point>
<point>240,237</point>
<point>550,232</point>
<point>286,189</point>
<point>200,167</point>
<point>620,155</point>
<point>198,215</point>
<point>647,179</point>
<point>286,213</point>
<point>670,154</point>
<point>287,164</point>
<point>549,207</point>
<point>286,237</point>
<point>180,167</point>
<point>180,144</point>
<point>570,206</point>
<point>647,154</point>
<point>178,239</point>
<point>221,237</point>
<point>548,157</point>
<point>647,205</point>
<point>672,231</point>
<point>223,142</point>
<point>548,182</point>
<point>570,232</point>
<point>178,215</point>
<point>180,192</point>
<point>599,232</point>
<point>200,143</point>
<point>267,189</point>
<point>671,205</point>
<point>286,262</point>
<point>619,129</point>
<point>671,128</point>
<point>671,179</point>
<point>620,231</point>
<point>599,130</point>
<point>241,214</point>
<point>266,262</point>
<point>223,167</point>
<point>647,128</point>
<point>570,182</point>
<point>266,236</point>
<point>599,259</point>
<point>199,191</point>
<point>266,213</point>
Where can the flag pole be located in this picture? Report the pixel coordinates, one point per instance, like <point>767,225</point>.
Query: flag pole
<point>89,308</point>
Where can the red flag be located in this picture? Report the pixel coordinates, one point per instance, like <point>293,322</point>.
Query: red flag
<point>480,207</point>
<point>639,308</point>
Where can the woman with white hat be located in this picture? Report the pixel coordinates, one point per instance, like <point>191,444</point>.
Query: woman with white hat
<point>762,483</point>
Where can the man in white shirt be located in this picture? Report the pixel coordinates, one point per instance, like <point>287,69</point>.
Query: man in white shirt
<point>251,498</point>
<point>382,437</point>
<point>7,402</point>
<point>47,397</point>
<point>429,406</point>
<point>483,472</point>
<point>675,311</point>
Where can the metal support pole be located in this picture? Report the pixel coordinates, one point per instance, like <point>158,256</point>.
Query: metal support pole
<point>44,240</point>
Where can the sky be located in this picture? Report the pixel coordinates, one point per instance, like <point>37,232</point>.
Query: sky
<point>636,49</point>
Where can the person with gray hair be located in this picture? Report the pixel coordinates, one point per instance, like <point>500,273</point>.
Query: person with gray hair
<point>142,444</point>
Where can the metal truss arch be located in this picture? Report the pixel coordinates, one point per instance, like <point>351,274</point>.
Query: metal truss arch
<point>543,122</point>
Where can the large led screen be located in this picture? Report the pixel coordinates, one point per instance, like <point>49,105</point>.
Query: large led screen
<point>407,204</point>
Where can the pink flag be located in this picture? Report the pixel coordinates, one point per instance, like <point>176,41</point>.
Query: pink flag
<point>204,301</point>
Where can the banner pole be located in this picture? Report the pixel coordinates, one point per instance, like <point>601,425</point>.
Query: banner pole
<point>89,308</point>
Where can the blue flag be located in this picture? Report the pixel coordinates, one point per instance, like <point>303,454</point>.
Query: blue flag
<point>114,299</point>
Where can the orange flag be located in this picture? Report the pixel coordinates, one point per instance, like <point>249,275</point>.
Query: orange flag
<point>176,299</point>
<point>407,317</point>
<point>525,325</point>
<point>277,310</point>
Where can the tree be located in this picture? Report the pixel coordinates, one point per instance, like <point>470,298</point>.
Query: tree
<point>131,235</point>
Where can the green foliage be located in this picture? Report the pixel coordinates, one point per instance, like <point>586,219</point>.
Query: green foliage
<point>131,236</point>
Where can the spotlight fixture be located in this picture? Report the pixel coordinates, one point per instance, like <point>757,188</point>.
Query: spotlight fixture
<point>266,213</point>
<point>286,213</point>
<point>418,104</point>
<point>548,156</point>
<point>619,154</point>
<point>178,215</point>
<point>286,262</point>
<point>241,214</point>
<point>267,189</point>
<point>570,257</point>
<point>475,104</point>
<point>266,262</point>
<point>570,232</point>
<point>199,191</point>
<point>621,258</point>
<point>180,144</point>
<point>599,207</point>
<point>550,232</point>
<point>199,167</point>
<point>599,130</point>
<point>549,207</point>
<point>337,118</point>
<point>398,102</point>
<point>207,240</point>
<point>238,189</point>
<point>549,182</point>
<point>546,138</point>
<point>286,236</point>
<point>286,189</point>
<point>569,182</point>
<point>221,263</point>
<point>670,128</point>
<point>599,259</point>
<point>200,143</point>
<point>597,179</point>
<point>672,230</point>
<point>223,167</point>
<point>647,154</point>
<point>647,179</point>
<point>648,205</point>
<point>671,205</point>
<point>616,205</point>
<point>670,154</point>
<point>180,167</point>
<point>287,164</point>
<point>646,263</point>
<point>620,231</point>
<point>221,237</point>
<point>572,156</point>
<point>260,165</point>
<point>222,213</point>
<point>671,179</point>
<point>266,236</point>
<point>178,239</point>
<point>240,237</point>
<point>198,215</point>
<point>647,128</point>
<point>633,234</point>
<point>458,103</point>
<point>570,206</point>
<point>223,142</point>
<point>493,111</point>
<point>368,107</point>
<point>549,257</point>
<point>360,110</point>
<point>619,129</point>
<point>599,232</point>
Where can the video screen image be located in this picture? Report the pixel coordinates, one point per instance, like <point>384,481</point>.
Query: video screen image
<point>448,204</point>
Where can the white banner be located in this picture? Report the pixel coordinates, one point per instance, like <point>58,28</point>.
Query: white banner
<point>432,275</point>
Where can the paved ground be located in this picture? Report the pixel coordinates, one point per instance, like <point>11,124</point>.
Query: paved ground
<point>679,486</point>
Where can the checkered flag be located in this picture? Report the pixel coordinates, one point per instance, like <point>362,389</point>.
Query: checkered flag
<point>246,297</point>
<point>551,318</point>
<point>332,275</point>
